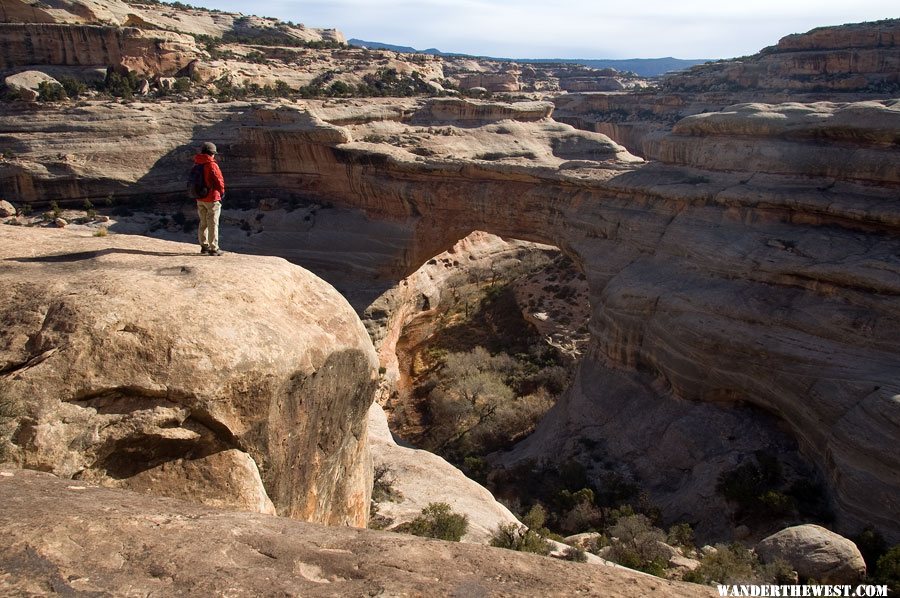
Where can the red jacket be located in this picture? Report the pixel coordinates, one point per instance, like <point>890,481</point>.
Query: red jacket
<point>212,176</point>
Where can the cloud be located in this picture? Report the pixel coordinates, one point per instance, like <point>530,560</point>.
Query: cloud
<point>571,28</point>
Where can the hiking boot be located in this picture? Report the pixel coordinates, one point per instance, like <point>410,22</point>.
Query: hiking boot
<point>204,250</point>
<point>216,252</point>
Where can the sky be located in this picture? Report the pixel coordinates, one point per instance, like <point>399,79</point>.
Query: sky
<point>571,28</point>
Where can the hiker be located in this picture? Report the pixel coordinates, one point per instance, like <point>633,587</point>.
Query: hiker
<point>208,187</point>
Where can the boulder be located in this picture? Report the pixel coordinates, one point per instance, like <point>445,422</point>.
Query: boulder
<point>6,209</point>
<point>135,363</point>
<point>815,553</point>
<point>26,83</point>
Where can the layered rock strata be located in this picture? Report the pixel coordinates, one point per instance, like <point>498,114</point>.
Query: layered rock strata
<point>138,363</point>
<point>146,52</point>
<point>845,58</point>
<point>850,63</point>
<point>710,290</point>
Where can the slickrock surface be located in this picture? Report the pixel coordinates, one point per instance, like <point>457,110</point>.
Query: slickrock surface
<point>139,363</point>
<point>421,478</point>
<point>119,543</point>
<point>710,290</point>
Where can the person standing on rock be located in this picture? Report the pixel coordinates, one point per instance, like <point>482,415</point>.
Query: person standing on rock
<point>208,187</point>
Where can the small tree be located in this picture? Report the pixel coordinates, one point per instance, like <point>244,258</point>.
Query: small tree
<point>681,534</point>
<point>181,85</point>
<point>728,564</point>
<point>49,91</point>
<point>888,570</point>
<point>638,544</point>
<point>513,536</point>
<point>437,520</point>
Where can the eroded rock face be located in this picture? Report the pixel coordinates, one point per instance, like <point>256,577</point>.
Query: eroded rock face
<point>139,363</point>
<point>96,540</point>
<point>815,553</point>
<point>146,52</point>
<point>709,289</point>
<point>848,63</point>
<point>843,58</point>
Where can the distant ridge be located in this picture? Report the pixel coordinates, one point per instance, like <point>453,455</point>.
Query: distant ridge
<point>645,67</point>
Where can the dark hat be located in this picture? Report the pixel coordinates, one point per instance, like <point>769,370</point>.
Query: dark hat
<point>209,148</point>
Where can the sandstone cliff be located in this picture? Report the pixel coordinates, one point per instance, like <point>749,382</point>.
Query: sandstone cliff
<point>711,290</point>
<point>146,52</point>
<point>858,57</point>
<point>848,63</point>
<point>136,363</point>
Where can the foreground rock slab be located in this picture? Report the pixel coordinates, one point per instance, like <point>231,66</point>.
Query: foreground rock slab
<point>118,543</point>
<point>236,381</point>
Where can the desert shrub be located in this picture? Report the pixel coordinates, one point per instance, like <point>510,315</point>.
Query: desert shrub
<point>681,534</point>
<point>887,571</point>
<point>383,486</point>
<point>732,564</point>
<point>256,57</point>
<point>121,86</point>
<point>476,468</point>
<point>101,232</point>
<point>437,520</point>
<point>636,544</point>
<point>573,553</point>
<point>513,536</point>
<point>871,545</point>
<point>182,85</point>
<point>754,487</point>
<point>73,87</point>
<point>51,92</point>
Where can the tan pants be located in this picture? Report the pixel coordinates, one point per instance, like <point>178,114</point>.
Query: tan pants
<point>208,231</point>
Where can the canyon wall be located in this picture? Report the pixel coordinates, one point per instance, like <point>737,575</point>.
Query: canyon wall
<point>711,290</point>
<point>848,63</point>
<point>146,52</point>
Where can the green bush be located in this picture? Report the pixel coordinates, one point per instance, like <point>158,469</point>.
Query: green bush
<point>681,534</point>
<point>637,544</point>
<point>887,571</point>
<point>513,536</point>
<point>437,521</point>
<point>51,92</point>
<point>182,85</point>
<point>734,564</point>
<point>121,86</point>
<point>871,545</point>
<point>73,87</point>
